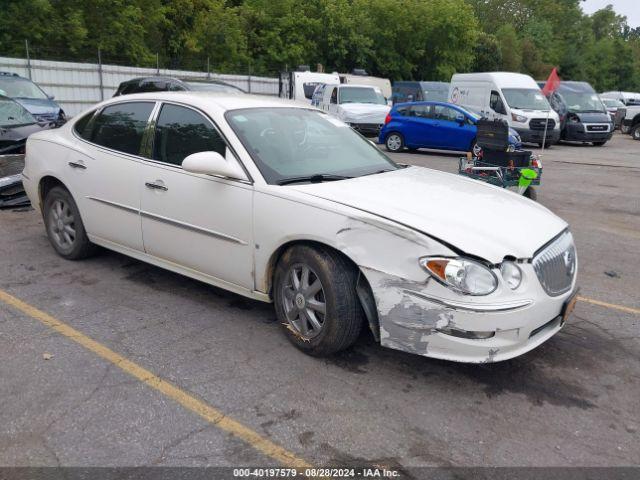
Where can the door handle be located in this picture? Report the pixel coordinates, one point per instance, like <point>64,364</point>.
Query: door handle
<point>156,186</point>
<point>79,165</point>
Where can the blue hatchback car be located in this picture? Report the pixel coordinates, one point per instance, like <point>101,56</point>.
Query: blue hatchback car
<point>437,125</point>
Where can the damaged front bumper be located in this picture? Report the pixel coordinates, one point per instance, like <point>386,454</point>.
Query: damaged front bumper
<point>12,193</point>
<point>430,320</point>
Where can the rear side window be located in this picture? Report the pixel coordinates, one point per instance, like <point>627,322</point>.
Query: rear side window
<point>83,126</point>
<point>181,131</point>
<point>120,127</point>
<point>421,111</point>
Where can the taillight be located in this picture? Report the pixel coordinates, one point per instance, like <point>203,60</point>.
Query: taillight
<point>387,119</point>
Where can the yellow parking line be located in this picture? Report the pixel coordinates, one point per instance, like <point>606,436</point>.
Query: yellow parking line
<point>209,413</point>
<point>613,306</point>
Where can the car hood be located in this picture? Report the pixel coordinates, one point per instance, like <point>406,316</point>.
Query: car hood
<point>593,117</point>
<point>12,138</point>
<point>363,112</point>
<point>474,217</point>
<point>39,106</point>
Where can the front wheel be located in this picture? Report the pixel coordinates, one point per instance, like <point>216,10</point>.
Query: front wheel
<point>64,226</point>
<point>635,132</point>
<point>316,301</point>
<point>394,142</point>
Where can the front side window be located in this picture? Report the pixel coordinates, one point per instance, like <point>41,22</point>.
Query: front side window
<point>440,112</point>
<point>525,98</point>
<point>288,143</point>
<point>17,87</point>
<point>181,131</point>
<point>361,95</point>
<point>121,126</point>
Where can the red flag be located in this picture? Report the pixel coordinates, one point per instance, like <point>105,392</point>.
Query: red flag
<point>552,84</point>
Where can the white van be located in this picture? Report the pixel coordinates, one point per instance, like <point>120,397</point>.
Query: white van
<point>363,107</point>
<point>513,97</point>
<point>382,83</point>
<point>301,85</point>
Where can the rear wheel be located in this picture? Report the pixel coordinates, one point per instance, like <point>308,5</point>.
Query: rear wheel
<point>64,226</point>
<point>394,142</point>
<point>316,301</point>
<point>624,128</point>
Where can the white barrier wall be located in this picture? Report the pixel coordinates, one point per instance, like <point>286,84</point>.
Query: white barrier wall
<point>77,86</point>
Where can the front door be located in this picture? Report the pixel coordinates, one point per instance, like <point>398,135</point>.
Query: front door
<point>453,134</point>
<point>196,221</point>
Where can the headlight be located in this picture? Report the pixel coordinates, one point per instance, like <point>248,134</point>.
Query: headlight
<point>462,275</point>
<point>511,274</point>
<point>518,118</point>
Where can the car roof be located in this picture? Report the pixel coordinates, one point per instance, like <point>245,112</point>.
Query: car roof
<point>428,102</point>
<point>220,100</point>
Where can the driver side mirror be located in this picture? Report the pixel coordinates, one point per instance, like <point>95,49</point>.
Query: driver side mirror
<point>212,163</point>
<point>51,97</point>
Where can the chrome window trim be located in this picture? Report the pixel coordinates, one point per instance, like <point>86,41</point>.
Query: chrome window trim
<point>151,119</point>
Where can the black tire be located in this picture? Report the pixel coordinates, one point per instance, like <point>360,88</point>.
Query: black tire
<point>547,145</point>
<point>598,144</point>
<point>343,316</point>
<point>625,128</point>
<point>394,142</point>
<point>635,132</point>
<point>475,148</point>
<point>531,194</point>
<point>78,245</point>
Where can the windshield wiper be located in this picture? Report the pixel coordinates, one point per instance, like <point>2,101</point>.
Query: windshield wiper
<point>317,178</point>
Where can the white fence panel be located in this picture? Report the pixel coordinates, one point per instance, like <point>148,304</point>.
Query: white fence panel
<point>77,86</point>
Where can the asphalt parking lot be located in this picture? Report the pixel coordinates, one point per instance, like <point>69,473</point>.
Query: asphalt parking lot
<point>92,390</point>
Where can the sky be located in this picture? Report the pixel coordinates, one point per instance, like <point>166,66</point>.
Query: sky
<point>628,8</point>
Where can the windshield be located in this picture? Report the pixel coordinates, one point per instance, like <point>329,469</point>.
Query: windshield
<point>525,98</point>
<point>287,143</point>
<point>13,114</point>
<point>16,87</point>
<point>361,95</point>
<point>610,102</point>
<point>582,102</point>
<point>213,87</point>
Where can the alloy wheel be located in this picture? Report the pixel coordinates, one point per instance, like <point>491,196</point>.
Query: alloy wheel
<point>303,301</point>
<point>62,224</point>
<point>394,142</point>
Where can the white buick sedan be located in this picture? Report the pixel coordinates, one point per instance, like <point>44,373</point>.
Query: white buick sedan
<point>282,203</point>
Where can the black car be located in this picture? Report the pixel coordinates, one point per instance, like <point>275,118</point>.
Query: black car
<point>171,84</point>
<point>32,97</point>
<point>16,124</point>
<point>583,116</point>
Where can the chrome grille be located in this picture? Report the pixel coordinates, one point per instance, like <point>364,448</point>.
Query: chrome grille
<point>556,265</point>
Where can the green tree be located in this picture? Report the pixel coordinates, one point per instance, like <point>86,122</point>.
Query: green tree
<point>511,48</point>
<point>487,53</point>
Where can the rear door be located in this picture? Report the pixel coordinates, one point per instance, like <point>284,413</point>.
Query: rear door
<point>105,168</point>
<point>199,222</point>
<point>419,127</point>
